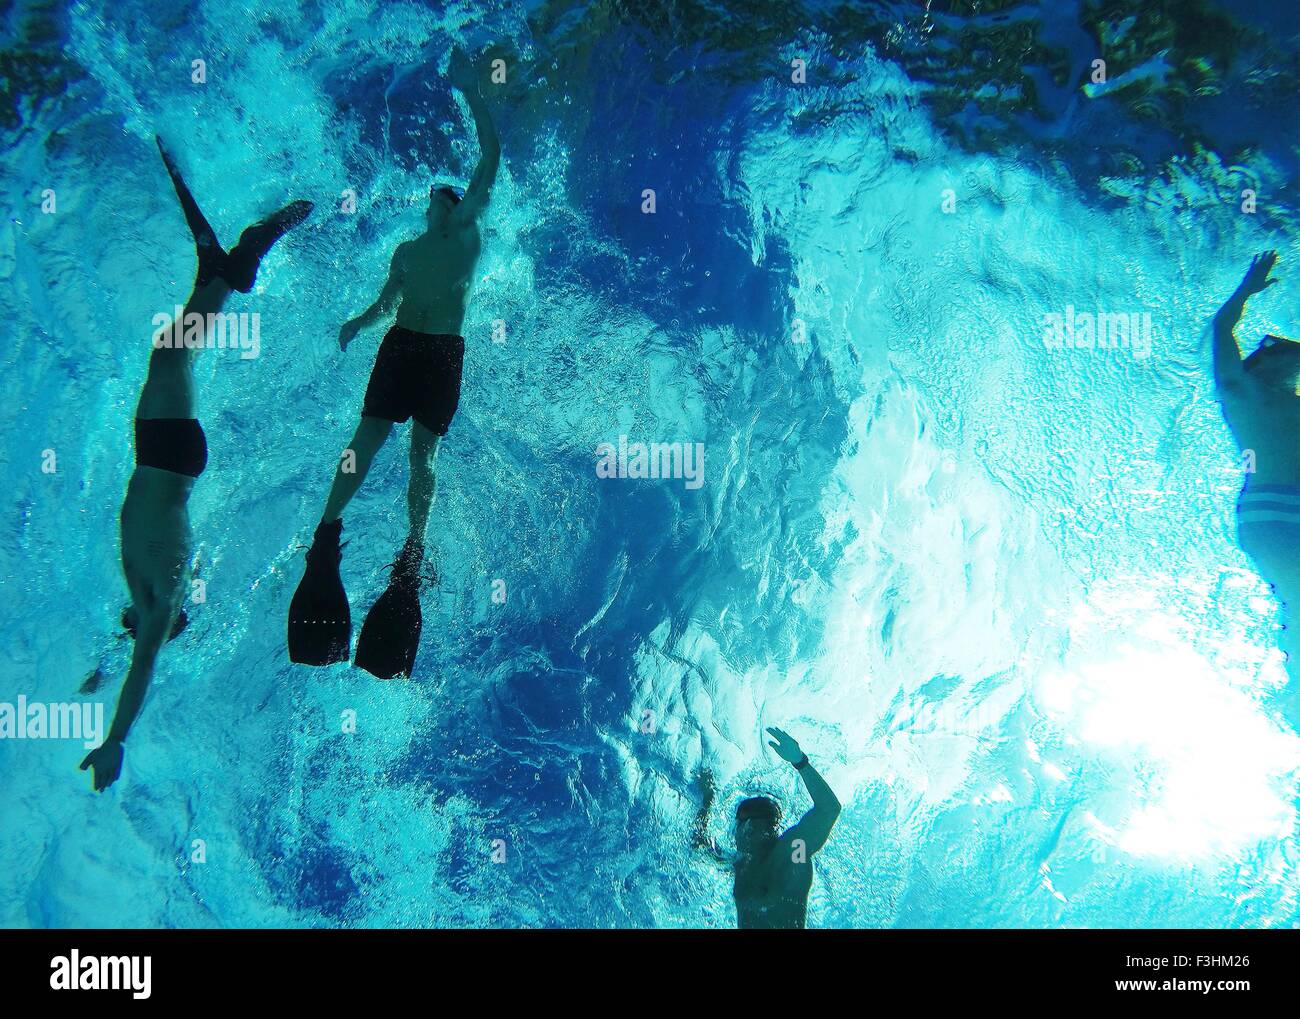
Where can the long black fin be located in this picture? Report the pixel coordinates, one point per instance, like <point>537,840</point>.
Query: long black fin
<point>320,621</point>
<point>390,636</point>
<point>212,258</point>
<point>245,257</point>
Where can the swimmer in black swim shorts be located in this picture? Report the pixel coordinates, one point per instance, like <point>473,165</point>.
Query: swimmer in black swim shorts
<point>170,453</point>
<point>417,375</point>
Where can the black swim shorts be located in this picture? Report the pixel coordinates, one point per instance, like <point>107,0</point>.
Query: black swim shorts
<point>416,375</point>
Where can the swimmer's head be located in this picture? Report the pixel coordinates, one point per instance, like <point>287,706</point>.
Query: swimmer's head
<point>757,821</point>
<point>442,199</point>
<point>1276,363</point>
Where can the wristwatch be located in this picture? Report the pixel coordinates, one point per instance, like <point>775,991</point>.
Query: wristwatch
<point>802,764</point>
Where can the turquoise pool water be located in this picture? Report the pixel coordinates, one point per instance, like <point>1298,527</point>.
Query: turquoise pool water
<point>991,586</point>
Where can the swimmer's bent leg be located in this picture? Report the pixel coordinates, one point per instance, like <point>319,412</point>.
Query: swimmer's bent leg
<point>211,257</point>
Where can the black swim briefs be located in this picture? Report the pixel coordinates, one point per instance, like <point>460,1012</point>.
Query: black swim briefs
<point>171,444</point>
<point>416,375</point>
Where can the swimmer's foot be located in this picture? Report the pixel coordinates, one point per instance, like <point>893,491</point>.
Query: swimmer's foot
<point>178,624</point>
<point>390,636</point>
<point>240,270</point>
<point>320,620</point>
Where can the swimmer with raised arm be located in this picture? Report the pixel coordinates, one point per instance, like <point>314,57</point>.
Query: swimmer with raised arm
<point>773,870</point>
<point>417,375</point>
<point>1260,402</point>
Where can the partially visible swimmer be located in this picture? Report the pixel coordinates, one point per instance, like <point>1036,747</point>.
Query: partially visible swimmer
<point>773,872</point>
<point>1260,402</point>
<point>171,451</point>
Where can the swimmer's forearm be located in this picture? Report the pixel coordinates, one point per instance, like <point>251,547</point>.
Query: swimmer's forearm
<point>489,145</point>
<point>822,794</point>
<point>382,306</point>
<point>483,126</point>
<point>128,707</point>
<point>1227,355</point>
<point>150,636</point>
<point>700,832</point>
<point>1233,308</point>
<point>368,316</point>
<point>388,296</point>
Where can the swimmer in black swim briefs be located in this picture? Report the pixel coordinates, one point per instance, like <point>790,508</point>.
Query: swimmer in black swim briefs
<point>170,453</point>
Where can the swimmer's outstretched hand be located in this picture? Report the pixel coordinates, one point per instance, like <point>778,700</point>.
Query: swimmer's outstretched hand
<point>348,333</point>
<point>1257,280</point>
<point>786,746</point>
<point>106,759</point>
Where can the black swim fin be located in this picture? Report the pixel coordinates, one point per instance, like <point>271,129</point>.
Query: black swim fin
<point>320,621</point>
<point>390,635</point>
<point>240,266</point>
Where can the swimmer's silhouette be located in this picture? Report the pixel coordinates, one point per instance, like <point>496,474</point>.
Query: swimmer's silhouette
<point>417,375</point>
<point>1262,408</point>
<point>773,872</point>
<point>170,453</point>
